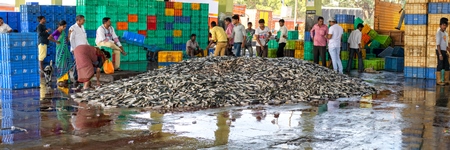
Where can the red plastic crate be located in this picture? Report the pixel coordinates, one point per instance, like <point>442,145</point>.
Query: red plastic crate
<point>169,4</point>
<point>151,26</point>
<point>151,19</point>
<point>143,32</point>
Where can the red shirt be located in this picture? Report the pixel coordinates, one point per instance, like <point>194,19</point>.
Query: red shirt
<point>318,35</point>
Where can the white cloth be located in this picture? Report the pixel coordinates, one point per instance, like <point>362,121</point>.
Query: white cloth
<point>284,31</point>
<point>239,33</point>
<point>107,35</point>
<point>335,53</point>
<point>4,28</point>
<point>263,35</point>
<point>336,31</point>
<point>442,40</point>
<point>355,39</point>
<point>77,36</point>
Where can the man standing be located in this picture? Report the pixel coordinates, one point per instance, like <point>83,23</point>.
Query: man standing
<point>43,41</point>
<point>441,52</point>
<point>248,44</point>
<point>77,36</point>
<point>218,36</point>
<point>4,28</point>
<point>319,35</point>
<point>229,32</point>
<point>354,42</point>
<point>334,44</point>
<point>262,37</point>
<point>239,35</point>
<point>283,37</point>
<point>192,47</point>
<point>106,36</point>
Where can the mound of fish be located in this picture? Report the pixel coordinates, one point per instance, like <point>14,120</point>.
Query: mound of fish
<point>226,81</point>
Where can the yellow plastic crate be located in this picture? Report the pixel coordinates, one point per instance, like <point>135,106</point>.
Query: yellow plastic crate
<point>170,56</point>
<point>177,33</point>
<point>416,8</point>
<point>205,53</point>
<point>416,30</point>
<point>347,27</point>
<point>435,18</point>
<point>299,54</point>
<point>170,12</point>
<point>366,29</point>
<point>299,45</point>
<point>178,5</point>
<point>195,6</point>
<point>431,62</point>
<point>411,61</point>
<point>431,51</point>
<point>416,51</point>
<point>415,40</point>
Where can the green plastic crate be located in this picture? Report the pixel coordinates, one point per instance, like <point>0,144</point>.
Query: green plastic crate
<point>169,19</point>
<point>91,41</point>
<point>195,27</point>
<point>373,34</point>
<point>345,37</point>
<point>309,46</point>
<point>187,13</point>
<point>151,4</point>
<point>132,10</point>
<point>204,6</point>
<point>344,55</point>
<point>133,57</point>
<point>358,21</point>
<point>272,53</point>
<point>370,56</point>
<point>122,10</point>
<point>124,58</point>
<point>204,13</point>
<point>133,26</point>
<point>292,35</point>
<point>160,26</point>
<point>290,44</point>
<point>142,56</point>
<point>160,33</point>
<point>374,44</point>
<point>91,25</point>
<point>151,11</point>
<point>384,40</point>
<point>195,13</point>
<point>308,56</point>
<point>160,4</point>
<point>142,11</point>
<point>377,64</point>
<point>186,6</point>
<point>122,18</point>
<point>142,26</point>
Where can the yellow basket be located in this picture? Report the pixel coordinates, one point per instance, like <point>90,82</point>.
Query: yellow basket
<point>170,12</point>
<point>170,56</point>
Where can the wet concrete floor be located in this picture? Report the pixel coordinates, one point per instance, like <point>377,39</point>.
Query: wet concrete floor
<point>405,114</point>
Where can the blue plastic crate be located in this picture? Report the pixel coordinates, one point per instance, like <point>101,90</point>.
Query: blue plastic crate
<point>344,46</point>
<point>446,8</point>
<point>165,64</point>
<point>91,33</point>
<point>408,72</point>
<point>32,3</point>
<point>4,15</point>
<point>12,81</point>
<point>432,8</point>
<point>30,8</point>
<point>394,64</point>
<point>414,19</point>
<point>169,40</point>
<point>47,9</point>
<point>430,73</point>
<point>308,36</point>
<point>415,72</point>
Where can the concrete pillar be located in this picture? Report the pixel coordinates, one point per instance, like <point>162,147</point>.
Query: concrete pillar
<point>56,2</point>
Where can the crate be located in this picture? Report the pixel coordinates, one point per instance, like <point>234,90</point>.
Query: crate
<point>308,55</point>
<point>373,34</point>
<point>169,12</point>
<point>345,55</point>
<point>170,56</point>
<point>292,35</point>
<point>433,19</point>
<point>416,1</point>
<point>416,30</point>
<point>395,64</point>
<point>299,54</point>
<point>272,53</point>
<point>411,61</point>
<point>290,44</point>
<point>366,29</point>
<point>438,8</point>
<point>430,73</point>
<point>416,19</point>
<point>420,41</point>
<point>357,21</point>
<point>384,40</point>
<point>307,36</point>
<point>414,72</point>
<point>377,64</point>
<point>416,8</point>
<point>416,51</point>
<point>432,62</point>
<point>346,26</point>
<point>195,6</point>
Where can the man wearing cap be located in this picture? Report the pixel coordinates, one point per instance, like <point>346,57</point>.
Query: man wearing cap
<point>334,44</point>
<point>283,36</point>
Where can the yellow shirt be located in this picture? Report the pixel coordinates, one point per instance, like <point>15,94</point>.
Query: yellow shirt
<point>218,34</point>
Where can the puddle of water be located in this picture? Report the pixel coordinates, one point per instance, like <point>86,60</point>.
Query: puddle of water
<point>404,115</point>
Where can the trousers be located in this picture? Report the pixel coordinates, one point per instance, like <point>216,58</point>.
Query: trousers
<point>116,52</point>
<point>335,53</point>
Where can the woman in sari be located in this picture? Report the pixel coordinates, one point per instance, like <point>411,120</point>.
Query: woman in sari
<point>62,53</point>
<point>89,61</point>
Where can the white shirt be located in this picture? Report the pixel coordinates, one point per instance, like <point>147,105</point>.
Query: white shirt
<point>77,36</point>
<point>442,40</point>
<point>336,31</point>
<point>107,35</point>
<point>284,31</point>
<point>239,33</point>
<point>263,35</point>
<point>4,28</point>
<point>355,39</point>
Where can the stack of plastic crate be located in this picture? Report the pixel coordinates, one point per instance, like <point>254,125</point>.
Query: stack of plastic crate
<point>273,48</point>
<point>416,39</point>
<point>299,49</point>
<point>436,10</point>
<point>19,67</point>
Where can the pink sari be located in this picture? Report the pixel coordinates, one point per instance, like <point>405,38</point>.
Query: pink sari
<point>85,56</point>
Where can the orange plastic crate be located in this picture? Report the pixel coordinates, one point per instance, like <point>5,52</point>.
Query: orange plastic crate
<point>169,12</point>
<point>178,12</point>
<point>122,25</point>
<point>143,32</point>
<point>132,18</point>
